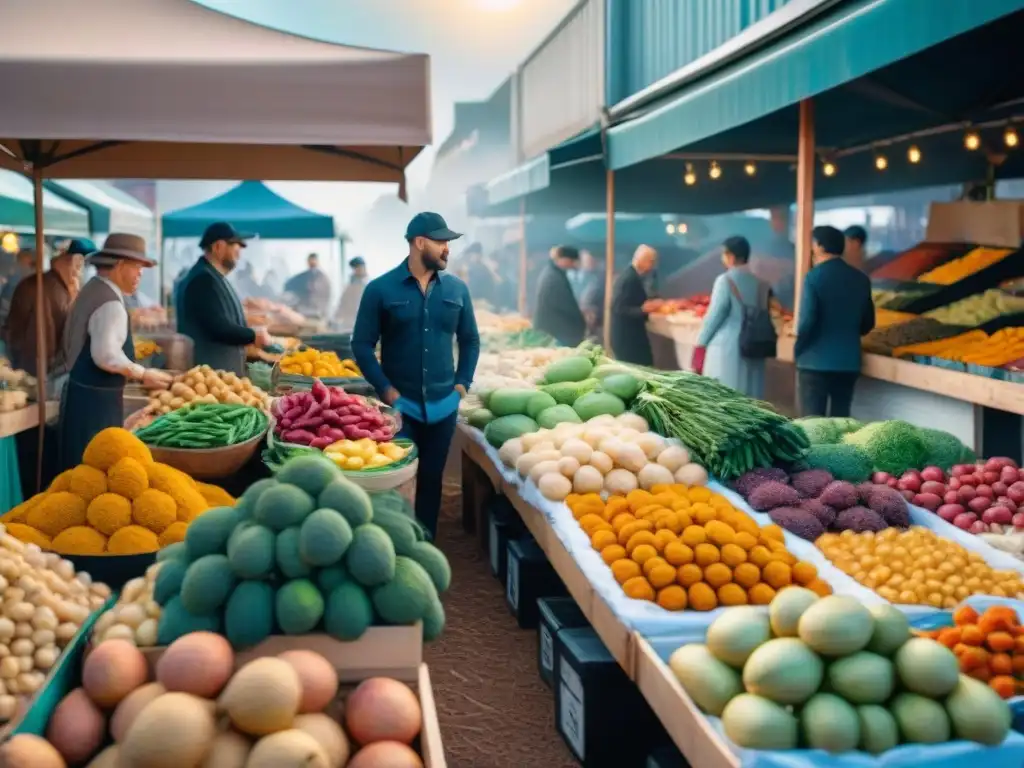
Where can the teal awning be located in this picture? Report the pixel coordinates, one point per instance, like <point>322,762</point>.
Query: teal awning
<point>61,218</point>
<point>535,175</point>
<point>110,209</point>
<point>251,207</point>
<point>854,40</point>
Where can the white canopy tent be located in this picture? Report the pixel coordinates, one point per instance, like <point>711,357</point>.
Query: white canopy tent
<point>170,89</point>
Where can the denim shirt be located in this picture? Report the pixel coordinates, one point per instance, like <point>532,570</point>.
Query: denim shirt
<point>416,330</point>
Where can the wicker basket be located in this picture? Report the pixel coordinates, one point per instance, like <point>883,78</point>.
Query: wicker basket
<point>209,463</point>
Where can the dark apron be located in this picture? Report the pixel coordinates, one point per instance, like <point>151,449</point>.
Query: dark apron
<point>93,400</point>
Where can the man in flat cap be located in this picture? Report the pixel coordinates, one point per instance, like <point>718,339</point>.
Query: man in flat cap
<point>207,308</point>
<point>99,348</point>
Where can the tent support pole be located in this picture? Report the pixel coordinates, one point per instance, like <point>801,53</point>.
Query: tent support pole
<point>805,169</point>
<point>37,190</point>
<point>609,256</point>
<point>523,256</point>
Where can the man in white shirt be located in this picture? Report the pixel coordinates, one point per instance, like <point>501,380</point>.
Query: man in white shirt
<point>99,347</point>
<point>345,317</point>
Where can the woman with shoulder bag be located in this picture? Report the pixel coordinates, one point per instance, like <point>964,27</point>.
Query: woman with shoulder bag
<point>737,335</point>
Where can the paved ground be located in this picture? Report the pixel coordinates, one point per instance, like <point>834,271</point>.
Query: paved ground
<point>494,710</point>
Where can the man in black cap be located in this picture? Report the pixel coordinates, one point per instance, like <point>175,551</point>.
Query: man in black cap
<point>99,347</point>
<point>416,312</point>
<point>345,316</point>
<point>207,307</point>
<point>557,313</point>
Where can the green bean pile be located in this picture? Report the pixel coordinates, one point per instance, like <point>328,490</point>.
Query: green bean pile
<point>205,426</point>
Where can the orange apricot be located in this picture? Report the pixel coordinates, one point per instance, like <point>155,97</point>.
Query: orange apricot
<point>626,532</point>
<point>638,498</point>
<point>638,588</point>
<point>761,594</point>
<point>773,532</point>
<point>965,614</point>
<point>746,540</point>
<point>693,535</point>
<point>672,598</point>
<point>1004,685</point>
<point>733,555</point>
<point>624,570</point>
<point>777,574</point>
<point>663,538</point>
<point>638,538</point>
<point>971,634</point>
<point>651,563</point>
<point>972,658</point>
<point>820,587</point>
<point>1018,665</point>
<point>669,522</point>
<point>804,573</point>
<point>949,637</point>
<point>699,493</point>
<point>661,575</point>
<point>689,574</point>
<point>703,514</point>
<point>702,597</point>
<point>678,553</point>
<point>1001,664</point>
<point>612,553</point>
<point>760,556</point>
<point>602,539</point>
<point>719,533</point>
<point>1000,642</point>
<point>746,575</point>
<point>981,673</point>
<point>732,594</point>
<point>717,574</point>
<point>643,553</point>
<point>706,554</point>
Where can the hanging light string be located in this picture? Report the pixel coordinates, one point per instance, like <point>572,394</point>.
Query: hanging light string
<point>973,142</point>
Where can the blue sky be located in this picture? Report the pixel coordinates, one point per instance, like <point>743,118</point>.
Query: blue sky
<point>474,45</point>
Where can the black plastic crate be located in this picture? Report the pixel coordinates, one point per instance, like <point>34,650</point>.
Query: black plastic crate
<point>556,614</point>
<point>503,524</point>
<point>529,576</point>
<point>595,704</point>
<point>666,757</point>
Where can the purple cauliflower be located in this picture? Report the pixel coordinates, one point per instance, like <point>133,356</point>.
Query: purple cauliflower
<point>772,494</point>
<point>858,520</point>
<point>745,484</point>
<point>797,521</point>
<point>839,494</point>
<point>811,482</point>
<point>890,504</point>
<point>825,514</point>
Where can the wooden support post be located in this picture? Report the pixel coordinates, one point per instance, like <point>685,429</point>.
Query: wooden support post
<point>805,168</point>
<point>41,352</point>
<point>609,257</point>
<point>523,256</point>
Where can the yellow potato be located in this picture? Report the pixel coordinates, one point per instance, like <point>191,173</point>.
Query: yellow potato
<point>354,462</point>
<point>378,460</point>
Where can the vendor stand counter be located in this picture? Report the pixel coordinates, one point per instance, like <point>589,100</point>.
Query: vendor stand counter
<point>683,721</point>
<point>14,422</point>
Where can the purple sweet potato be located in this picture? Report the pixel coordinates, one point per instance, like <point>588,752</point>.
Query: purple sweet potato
<point>839,494</point>
<point>798,521</point>
<point>299,436</point>
<point>859,520</point>
<point>890,504</point>
<point>825,514</point>
<point>811,482</point>
<point>745,484</point>
<point>772,494</point>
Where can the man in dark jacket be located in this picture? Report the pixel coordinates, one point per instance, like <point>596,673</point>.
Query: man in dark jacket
<point>835,311</point>
<point>630,342</point>
<point>557,313</point>
<point>207,307</point>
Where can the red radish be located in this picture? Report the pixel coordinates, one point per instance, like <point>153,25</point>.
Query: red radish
<point>1018,520</point>
<point>1009,475</point>
<point>1000,515</point>
<point>985,490</point>
<point>910,482</point>
<point>953,484</point>
<point>908,495</point>
<point>1006,501</point>
<point>1016,492</point>
<point>880,478</point>
<point>962,469</point>
<point>932,486</point>
<point>998,462</point>
<point>990,477</point>
<point>979,504</point>
<point>951,497</point>
<point>929,501</point>
<point>978,527</point>
<point>892,482</point>
<point>965,520</point>
<point>966,493</point>
<point>948,512</point>
<point>933,473</point>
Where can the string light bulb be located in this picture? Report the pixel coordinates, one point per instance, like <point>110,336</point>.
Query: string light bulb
<point>750,169</point>
<point>881,162</point>
<point>9,242</point>
<point>682,229</point>
<point>670,229</point>
<point>914,154</point>
<point>689,178</point>
<point>972,141</point>
<point>1010,137</point>
<point>715,171</point>
<point>829,168</point>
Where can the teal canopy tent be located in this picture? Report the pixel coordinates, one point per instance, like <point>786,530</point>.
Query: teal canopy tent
<point>110,209</point>
<point>251,207</point>
<point>61,217</point>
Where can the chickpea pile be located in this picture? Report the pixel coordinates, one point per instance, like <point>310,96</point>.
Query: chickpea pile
<point>690,548</point>
<point>917,567</point>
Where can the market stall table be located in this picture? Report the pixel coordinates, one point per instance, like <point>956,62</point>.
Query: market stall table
<point>14,422</point>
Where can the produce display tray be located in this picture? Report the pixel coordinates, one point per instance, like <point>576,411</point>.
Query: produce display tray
<point>1009,267</point>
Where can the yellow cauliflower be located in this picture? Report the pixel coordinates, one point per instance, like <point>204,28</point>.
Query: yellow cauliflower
<point>108,513</point>
<point>87,482</point>
<point>57,512</point>
<point>28,535</point>
<point>172,534</point>
<point>216,496</point>
<point>79,540</point>
<point>154,510</point>
<point>17,514</point>
<point>127,478</point>
<point>61,482</point>
<point>132,540</point>
<point>113,444</point>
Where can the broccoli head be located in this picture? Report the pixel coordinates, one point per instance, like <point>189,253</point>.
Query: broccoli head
<point>893,446</point>
<point>845,462</point>
<point>826,431</point>
<point>944,449</point>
